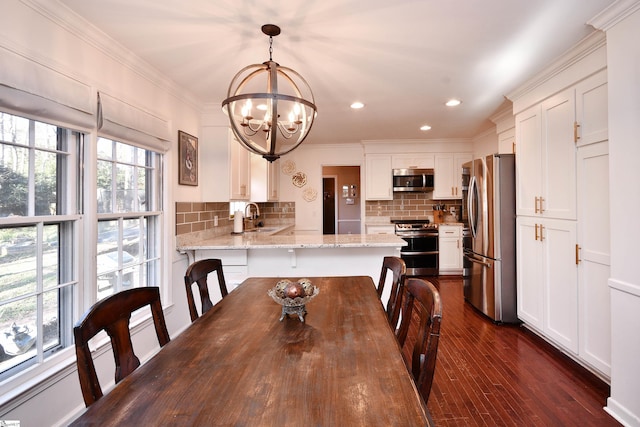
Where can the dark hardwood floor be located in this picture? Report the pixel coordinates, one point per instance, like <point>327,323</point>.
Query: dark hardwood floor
<point>504,375</point>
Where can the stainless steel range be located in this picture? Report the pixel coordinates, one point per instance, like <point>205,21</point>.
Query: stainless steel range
<point>421,252</point>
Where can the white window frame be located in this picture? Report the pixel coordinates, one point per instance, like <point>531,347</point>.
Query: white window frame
<point>15,389</point>
<point>69,220</point>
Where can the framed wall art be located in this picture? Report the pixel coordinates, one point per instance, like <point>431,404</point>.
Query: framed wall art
<point>188,159</point>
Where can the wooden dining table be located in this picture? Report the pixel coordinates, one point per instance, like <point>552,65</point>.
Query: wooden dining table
<point>239,365</point>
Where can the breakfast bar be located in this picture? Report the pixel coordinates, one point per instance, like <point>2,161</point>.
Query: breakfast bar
<point>275,251</point>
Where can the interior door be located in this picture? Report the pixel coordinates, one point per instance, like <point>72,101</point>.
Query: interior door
<point>328,205</point>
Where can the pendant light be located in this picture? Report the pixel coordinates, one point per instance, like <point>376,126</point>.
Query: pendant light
<point>271,108</point>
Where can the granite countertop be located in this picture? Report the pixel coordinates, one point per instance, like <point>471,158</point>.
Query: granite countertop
<point>270,239</point>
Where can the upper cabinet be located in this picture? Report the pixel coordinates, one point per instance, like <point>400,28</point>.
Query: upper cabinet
<point>412,161</point>
<point>592,124</point>
<point>547,135</point>
<point>265,179</point>
<point>378,180</point>
<point>546,162</point>
<point>507,142</point>
<point>448,175</point>
<point>239,170</point>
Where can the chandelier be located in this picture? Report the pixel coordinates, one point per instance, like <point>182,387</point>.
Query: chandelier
<point>271,108</point>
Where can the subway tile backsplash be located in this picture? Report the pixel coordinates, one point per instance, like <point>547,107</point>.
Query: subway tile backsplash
<point>199,216</point>
<point>408,206</point>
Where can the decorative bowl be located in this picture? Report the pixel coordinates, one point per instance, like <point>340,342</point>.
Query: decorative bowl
<point>293,296</point>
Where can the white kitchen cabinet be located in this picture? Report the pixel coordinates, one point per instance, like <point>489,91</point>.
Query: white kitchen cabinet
<point>239,170</point>
<point>412,161</point>
<point>507,141</point>
<point>592,117</point>
<point>593,252</point>
<point>449,249</point>
<point>546,179</point>
<point>547,278</point>
<point>378,177</point>
<point>448,175</point>
<point>265,179</point>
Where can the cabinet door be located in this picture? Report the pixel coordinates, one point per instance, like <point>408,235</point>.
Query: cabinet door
<point>240,170</point>
<point>559,157</point>
<point>561,282</point>
<point>450,249</point>
<point>273,181</point>
<point>528,161</point>
<point>444,183</point>
<point>594,259</point>
<point>507,142</point>
<point>592,110</point>
<point>378,179</point>
<point>529,272</point>
<point>265,179</point>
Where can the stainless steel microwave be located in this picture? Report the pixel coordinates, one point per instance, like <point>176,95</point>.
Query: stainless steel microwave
<point>416,180</point>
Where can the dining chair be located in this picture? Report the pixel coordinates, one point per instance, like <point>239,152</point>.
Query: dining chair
<point>197,273</point>
<point>112,315</point>
<point>422,303</point>
<point>398,268</point>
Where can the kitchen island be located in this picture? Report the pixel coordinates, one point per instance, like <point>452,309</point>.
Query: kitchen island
<point>280,253</point>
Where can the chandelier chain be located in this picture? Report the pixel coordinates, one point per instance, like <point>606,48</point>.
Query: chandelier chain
<point>270,48</point>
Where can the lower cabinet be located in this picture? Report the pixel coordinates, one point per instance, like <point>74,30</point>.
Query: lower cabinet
<point>547,277</point>
<point>449,249</point>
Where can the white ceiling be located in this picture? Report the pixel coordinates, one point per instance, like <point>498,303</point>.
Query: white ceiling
<point>402,58</point>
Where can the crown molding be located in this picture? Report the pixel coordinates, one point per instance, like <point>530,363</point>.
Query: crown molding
<point>581,50</point>
<point>613,14</point>
<point>86,31</point>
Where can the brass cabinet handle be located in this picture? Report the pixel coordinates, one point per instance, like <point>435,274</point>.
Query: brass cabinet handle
<point>578,254</point>
<point>541,209</point>
<point>576,137</point>
<point>541,232</point>
<point>536,231</point>
<point>536,205</point>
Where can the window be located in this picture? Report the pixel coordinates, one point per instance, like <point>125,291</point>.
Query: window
<point>39,209</point>
<point>129,211</point>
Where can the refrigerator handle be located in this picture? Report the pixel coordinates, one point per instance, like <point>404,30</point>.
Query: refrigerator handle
<point>470,196</point>
<point>477,261</point>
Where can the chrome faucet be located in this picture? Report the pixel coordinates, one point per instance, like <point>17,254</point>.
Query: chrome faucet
<point>249,216</point>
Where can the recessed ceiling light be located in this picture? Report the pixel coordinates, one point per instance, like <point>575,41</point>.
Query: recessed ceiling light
<point>453,103</point>
<point>357,105</point>
<point>425,127</point>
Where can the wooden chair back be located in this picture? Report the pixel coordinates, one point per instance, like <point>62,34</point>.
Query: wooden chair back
<point>112,315</point>
<point>197,273</point>
<point>421,302</point>
<point>398,268</point>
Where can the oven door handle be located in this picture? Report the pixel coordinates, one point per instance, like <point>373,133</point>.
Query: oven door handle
<point>419,253</point>
<point>477,260</point>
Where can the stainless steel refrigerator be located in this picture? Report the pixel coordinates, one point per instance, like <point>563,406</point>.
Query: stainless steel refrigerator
<point>490,253</point>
